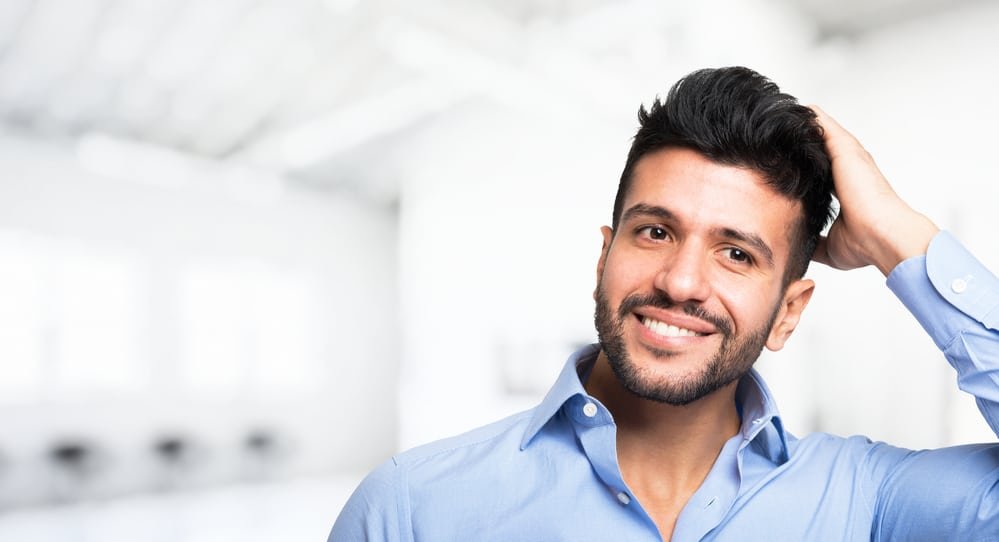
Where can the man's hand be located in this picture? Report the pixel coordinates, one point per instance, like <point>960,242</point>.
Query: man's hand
<point>874,226</point>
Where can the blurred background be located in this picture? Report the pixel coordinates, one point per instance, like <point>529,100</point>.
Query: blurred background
<point>251,248</point>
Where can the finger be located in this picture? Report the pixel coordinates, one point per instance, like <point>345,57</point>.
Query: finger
<point>836,135</point>
<point>849,156</point>
<point>827,122</point>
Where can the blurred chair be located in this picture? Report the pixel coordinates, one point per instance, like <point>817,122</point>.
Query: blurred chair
<point>265,450</point>
<point>75,462</point>
<point>176,455</point>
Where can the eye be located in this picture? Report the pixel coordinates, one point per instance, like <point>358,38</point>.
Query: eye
<point>655,233</point>
<point>738,255</point>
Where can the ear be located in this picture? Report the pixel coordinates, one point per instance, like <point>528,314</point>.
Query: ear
<point>608,235</point>
<point>796,297</point>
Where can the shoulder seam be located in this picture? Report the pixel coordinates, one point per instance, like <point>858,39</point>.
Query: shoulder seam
<point>404,511</point>
<point>400,462</point>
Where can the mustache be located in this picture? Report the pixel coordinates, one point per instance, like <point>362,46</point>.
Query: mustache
<point>660,300</point>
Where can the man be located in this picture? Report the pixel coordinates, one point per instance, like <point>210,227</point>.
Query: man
<point>663,431</point>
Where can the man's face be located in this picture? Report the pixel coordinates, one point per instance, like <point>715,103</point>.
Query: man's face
<point>689,287</point>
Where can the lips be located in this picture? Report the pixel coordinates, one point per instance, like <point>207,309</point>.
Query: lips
<point>672,321</point>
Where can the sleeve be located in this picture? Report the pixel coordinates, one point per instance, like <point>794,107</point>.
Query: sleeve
<point>950,493</point>
<point>945,494</point>
<point>376,511</point>
<point>956,300</point>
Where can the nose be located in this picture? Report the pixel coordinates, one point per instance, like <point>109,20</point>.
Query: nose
<point>683,276</point>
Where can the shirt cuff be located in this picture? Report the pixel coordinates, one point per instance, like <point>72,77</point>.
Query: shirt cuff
<point>945,287</point>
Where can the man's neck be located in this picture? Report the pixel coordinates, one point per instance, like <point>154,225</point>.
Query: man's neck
<point>665,451</point>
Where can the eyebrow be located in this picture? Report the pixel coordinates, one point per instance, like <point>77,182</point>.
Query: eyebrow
<point>662,213</point>
<point>642,209</point>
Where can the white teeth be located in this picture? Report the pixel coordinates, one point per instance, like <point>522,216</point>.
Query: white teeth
<point>666,330</point>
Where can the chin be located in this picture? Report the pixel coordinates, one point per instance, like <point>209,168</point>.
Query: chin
<point>682,382</point>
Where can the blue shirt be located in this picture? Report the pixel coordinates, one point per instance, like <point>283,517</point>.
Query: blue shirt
<point>551,473</point>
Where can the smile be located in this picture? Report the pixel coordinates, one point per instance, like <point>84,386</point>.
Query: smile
<point>666,330</point>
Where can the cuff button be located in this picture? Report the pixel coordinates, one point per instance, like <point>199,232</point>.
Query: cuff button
<point>958,286</point>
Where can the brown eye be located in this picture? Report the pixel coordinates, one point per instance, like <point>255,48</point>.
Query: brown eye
<point>738,255</point>
<point>654,233</point>
<point>657,233</point>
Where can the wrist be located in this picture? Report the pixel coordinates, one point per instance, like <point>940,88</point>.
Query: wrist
<point>908,237</point>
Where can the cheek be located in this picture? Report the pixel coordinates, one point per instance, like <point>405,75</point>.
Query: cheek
<point>624,271</point>
<point>749,304</point>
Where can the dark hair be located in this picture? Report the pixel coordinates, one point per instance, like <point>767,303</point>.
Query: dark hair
<point>735,116</point>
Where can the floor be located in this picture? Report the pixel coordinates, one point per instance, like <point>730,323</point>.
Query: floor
<point>291,511</point>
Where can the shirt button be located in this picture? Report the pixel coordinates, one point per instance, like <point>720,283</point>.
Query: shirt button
<point>958,286</point>
<point>623,498</point>
<point>590,410</point>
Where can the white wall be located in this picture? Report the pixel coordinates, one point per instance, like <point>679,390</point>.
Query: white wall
<point>333,256</point>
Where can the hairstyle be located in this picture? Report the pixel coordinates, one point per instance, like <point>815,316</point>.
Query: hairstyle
<point>735,116</point>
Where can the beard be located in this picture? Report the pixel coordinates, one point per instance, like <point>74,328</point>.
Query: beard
<point>734,358</point>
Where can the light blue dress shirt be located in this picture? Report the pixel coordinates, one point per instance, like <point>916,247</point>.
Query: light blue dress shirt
<point>551,473</point>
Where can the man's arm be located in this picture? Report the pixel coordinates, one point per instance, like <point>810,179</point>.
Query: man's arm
<point>950,493</point>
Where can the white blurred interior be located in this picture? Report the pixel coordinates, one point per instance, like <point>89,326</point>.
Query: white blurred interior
<point>283,239</point>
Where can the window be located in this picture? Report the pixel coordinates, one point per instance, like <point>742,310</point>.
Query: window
<point>68,320</point>
<point>249,330</point>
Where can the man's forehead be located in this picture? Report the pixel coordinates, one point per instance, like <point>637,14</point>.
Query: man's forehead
<point>682,164</point>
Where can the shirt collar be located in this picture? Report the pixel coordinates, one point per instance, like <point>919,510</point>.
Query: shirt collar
<point>568,385</point>
<point>761,423</point>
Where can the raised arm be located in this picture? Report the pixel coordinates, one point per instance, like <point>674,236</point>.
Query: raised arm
<point>949,493</point>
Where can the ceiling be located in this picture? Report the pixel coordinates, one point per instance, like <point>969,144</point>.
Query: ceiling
<point>291,85</point>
